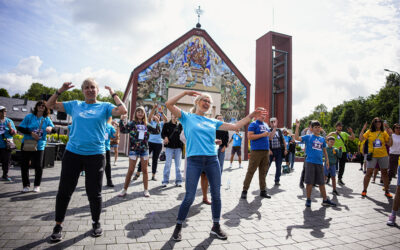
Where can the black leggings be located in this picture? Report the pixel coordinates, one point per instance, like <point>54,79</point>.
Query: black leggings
<point>72,165</point>
<point>108,167</point>
<point>342,164</point>
<point>156,149</point>
<point>5,156</point>
<point>36,159</point>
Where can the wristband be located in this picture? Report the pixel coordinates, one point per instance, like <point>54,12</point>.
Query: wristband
<point>57,93</point>
<point>113,95</point>
<point>119,104</point>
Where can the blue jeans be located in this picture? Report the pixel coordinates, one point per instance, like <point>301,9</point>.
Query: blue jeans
<point>292,157</point>
<point>221,159</point>
<point>277,154</point>
<point>169,153</point>
<point>195,166</point>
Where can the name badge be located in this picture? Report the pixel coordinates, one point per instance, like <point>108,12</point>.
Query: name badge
<point>377,143</point>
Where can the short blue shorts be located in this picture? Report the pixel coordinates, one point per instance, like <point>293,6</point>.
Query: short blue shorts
<point>133,155</point>
<point>114,146</point>
<point>331,171</point>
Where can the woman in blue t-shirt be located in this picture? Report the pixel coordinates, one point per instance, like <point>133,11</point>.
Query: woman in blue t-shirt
<point>35,127</point>
<point>7,130</point>
<point>85,149</point>
<point>201,155</point>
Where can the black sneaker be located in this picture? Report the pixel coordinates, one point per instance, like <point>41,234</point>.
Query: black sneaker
<point>177,236</point>
<point>301,185</point>
<point>277,183</point>
<point>327,180</point>
<point>341,182</point>
<point>110,184</point>
<point>56,235</point>
<point>335,192</point>
<point>217,231</point>
<point>264,194</point>
<point>244,194</point>
<point>97,231</point>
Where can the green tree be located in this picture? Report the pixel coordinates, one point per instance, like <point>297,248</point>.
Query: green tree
<point>18,96</point>
<point>4,92</point>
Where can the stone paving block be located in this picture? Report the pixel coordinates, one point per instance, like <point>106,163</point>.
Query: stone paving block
<point>369,244</point>
<point>251,244</point>
<point>96,247</point>
<point>269,242</point>
<point>117,247</point>
<point>233,246</point>
<point>304,246</point>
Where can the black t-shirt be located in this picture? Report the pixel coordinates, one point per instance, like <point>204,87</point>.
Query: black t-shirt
<point>173,132</point>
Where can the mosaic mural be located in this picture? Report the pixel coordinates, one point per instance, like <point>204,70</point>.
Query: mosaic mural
<point>193,65</point>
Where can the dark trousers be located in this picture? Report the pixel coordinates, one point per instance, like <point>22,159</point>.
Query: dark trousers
<point>277,154</point>
<point>156,149</point>
<point>108,167</point>
<point>5,156</point>
<point>342,164</point>
<point>393,164</point>
<point>71,166</point>
<point>36,159</point>
<point>303,172</point>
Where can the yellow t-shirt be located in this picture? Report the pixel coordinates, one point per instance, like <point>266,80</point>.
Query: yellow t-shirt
<point>377,143</point>
<point>361,146</point>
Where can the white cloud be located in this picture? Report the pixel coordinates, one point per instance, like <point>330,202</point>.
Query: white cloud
<point>28,66</point>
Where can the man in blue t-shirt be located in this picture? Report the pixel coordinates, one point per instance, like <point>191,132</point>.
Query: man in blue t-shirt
<point>259,135</point>
<point>236,147</point>
<point>314,172</point>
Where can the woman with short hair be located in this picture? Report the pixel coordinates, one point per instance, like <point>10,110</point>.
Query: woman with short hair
<point>35,127</point>
<point>85,149</point>
<point>200,132</point>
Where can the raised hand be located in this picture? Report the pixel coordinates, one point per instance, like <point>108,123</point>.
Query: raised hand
<point>109,89</point>
<point>350,130</point>
<point>66,86</point>
<point>258,112</point>
<point>365,125</point>
<point>192,93</point>
<point>297,123</point>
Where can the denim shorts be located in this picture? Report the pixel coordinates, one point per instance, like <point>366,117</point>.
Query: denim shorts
<point>133,155</point>
<point>331,171</point>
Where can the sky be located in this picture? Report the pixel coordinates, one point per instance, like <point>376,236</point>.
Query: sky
<point>340,48</point>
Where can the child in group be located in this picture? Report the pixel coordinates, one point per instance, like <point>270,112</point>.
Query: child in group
<point>236,147</point>
<point>392,217</point>
<point>333,155</point>
<point>315,148</point>
<point>139,131</point>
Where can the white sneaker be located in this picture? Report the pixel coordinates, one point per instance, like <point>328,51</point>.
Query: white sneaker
<point>240,166</point>
<point>26,190</point>
<point>122,193</point>
<point>36,189</point>
<point>115,164</point>
<point>146,193</point>
<point>230,166</point>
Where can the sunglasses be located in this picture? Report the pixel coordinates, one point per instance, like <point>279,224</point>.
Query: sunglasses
<point>206,101</point>
<point>41,105</point>
<point>378,121</point>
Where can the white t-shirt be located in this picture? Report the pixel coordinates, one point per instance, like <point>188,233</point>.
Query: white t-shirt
<point>395,148</point>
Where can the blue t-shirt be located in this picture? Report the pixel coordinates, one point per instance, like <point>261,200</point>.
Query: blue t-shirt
<point>32,122</point>
<point>110,131</point>
<point>4,130</point>
<point>88,129</point>
<point>156,138</point>
<point>200,134</point>
<point>287,140</point>
<point>314,148</point>
<point>258,127</point>
<point>237,141</point>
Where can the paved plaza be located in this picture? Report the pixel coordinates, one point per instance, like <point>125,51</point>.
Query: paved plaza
<point>136,222</point>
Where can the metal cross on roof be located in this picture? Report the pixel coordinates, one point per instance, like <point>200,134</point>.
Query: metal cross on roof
<point>199,12</point>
